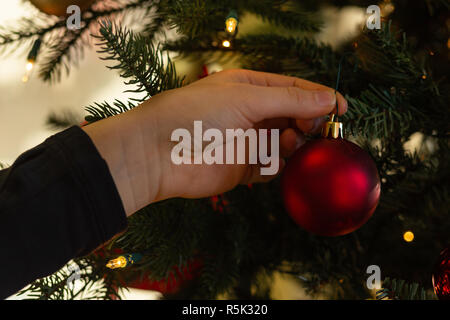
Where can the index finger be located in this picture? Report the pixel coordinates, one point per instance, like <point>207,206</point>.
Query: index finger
<point>266,79</point>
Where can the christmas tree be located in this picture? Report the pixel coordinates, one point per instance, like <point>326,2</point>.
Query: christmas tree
<point>231,245</point>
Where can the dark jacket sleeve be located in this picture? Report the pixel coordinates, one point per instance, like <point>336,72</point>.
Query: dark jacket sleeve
<point>58,201</point>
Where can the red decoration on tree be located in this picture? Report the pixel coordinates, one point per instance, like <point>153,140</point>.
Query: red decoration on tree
<point>219,202</point>
<point>175,281</point>
<point>208,69</point>
<point>331,186</point>
<point>441,276</point>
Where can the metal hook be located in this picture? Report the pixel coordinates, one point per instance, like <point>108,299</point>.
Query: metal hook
<point>335,117</point>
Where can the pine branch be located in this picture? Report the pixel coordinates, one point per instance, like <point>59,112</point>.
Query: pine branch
<point>395,289</point>
<point>268,52</point>
<point>104,110</point>
<point>282,13</point>
<point>62,120</point>
<point>28,28</point>
<point>61,53</point>
<point>302,57</point>
<point>195,17</point>
<point>55,287</point>
<point>137,60</point>
<point>62,46</point>
<point>379,113</point>
<point>386,56</point>
<point>154,27</point>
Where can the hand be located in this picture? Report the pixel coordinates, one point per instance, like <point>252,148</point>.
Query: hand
<point>137,144</point>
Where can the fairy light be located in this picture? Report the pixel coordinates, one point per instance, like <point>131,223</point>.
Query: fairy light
<point>124,260</point>
<point>28,67</point>
<point>387,7</point>
<point>226,43</point>
<point>408,236</point>
<point>31,60</point>
<point>119,262</point>
<point>231,22</point>
<point>231,25</point>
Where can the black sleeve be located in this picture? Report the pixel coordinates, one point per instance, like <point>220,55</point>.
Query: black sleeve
<point>57,201</point>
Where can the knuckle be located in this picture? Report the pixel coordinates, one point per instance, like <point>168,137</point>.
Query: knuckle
<point>295,94</point>
<point>231,72</point>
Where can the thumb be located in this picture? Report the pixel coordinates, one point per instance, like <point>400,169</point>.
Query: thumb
<point>293,102</point>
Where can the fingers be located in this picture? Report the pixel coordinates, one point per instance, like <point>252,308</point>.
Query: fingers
<point>266,79</point>
<point>254,173</point>
<point>261,103</point>
<point>255,77</point>
<point>290,140</point>
<point>311,125</point>
<point>305,125</point>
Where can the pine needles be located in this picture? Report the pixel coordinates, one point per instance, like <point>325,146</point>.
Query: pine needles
<point>137,60</point>
<point>400,290</point>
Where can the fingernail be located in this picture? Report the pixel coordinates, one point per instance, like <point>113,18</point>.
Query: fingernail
<point>345,104</point>
<point>325,98</point>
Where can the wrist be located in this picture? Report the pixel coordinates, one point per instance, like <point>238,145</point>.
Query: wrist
<point>127,143</point>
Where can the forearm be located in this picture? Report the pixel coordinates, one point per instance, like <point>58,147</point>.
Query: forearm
<point>126,142</point>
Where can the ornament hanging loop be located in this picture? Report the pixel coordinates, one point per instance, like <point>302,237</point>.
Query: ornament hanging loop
<point>333,128</point>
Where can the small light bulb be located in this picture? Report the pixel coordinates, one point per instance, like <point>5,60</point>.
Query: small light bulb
<point>408,236</point>
<point>226,43</point>
<point>231,24</point>
<point>119,262</point>
<point>29,66</point>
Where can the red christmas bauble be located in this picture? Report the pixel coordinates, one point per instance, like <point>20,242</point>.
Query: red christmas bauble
<point>331,186</point>
<point>441,276</point>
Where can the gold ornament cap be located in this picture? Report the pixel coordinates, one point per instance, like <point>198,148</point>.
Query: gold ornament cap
<point>333,129</point>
